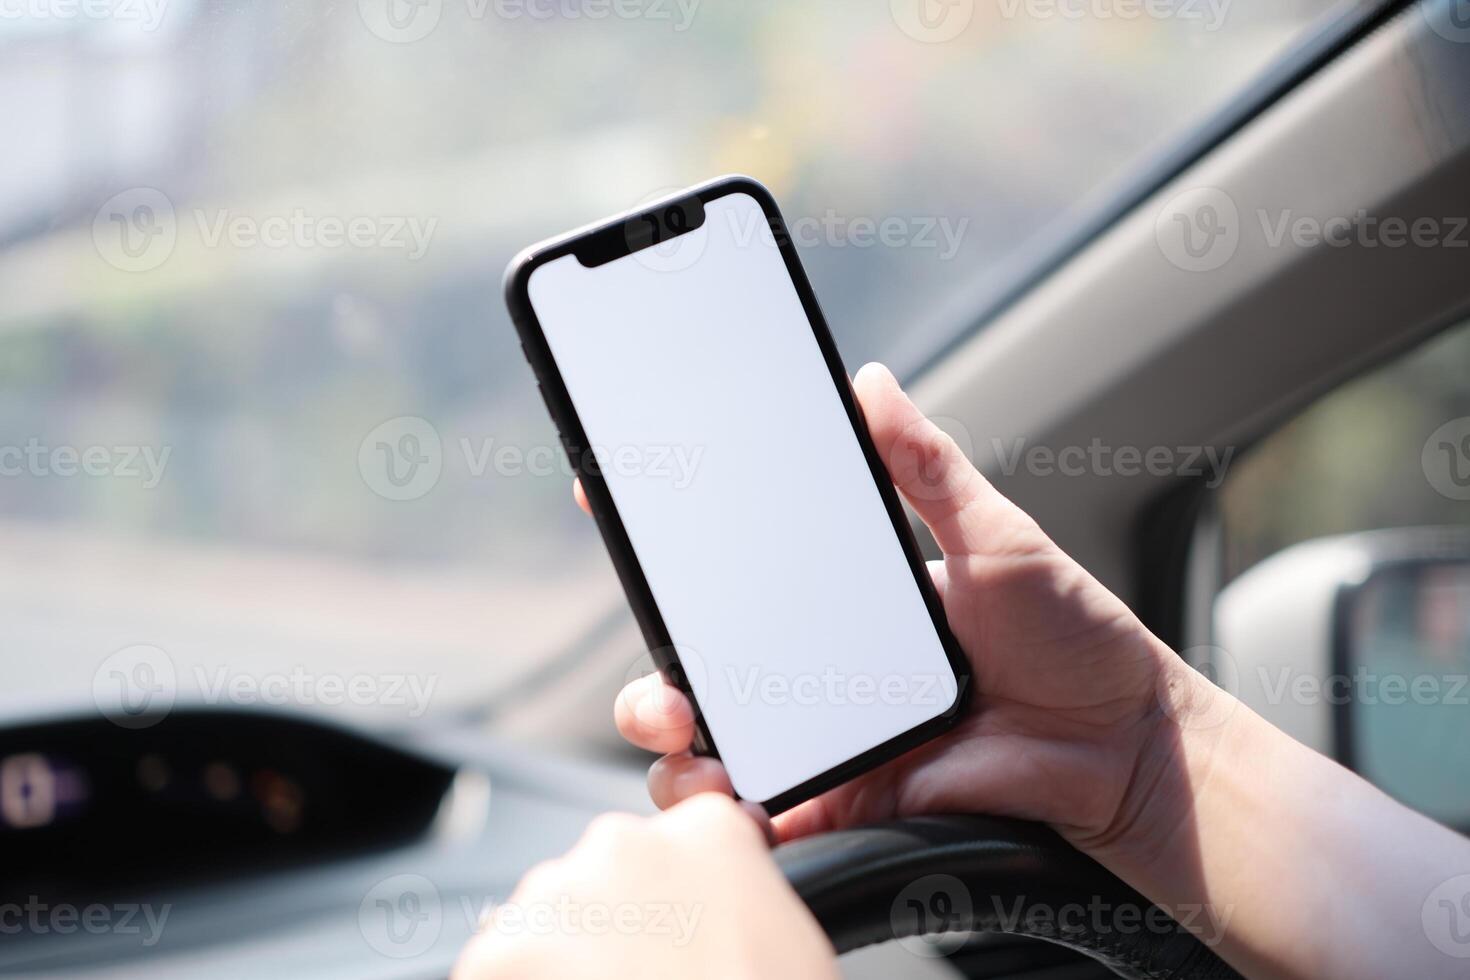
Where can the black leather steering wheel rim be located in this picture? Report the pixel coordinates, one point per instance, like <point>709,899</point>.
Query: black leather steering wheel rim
<point>872,884</point>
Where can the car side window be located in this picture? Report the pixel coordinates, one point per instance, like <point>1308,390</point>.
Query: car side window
<point>1387,449</point>
<point>1343,613</point>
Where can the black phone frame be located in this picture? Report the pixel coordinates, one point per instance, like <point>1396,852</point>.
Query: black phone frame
<point>623,235</point>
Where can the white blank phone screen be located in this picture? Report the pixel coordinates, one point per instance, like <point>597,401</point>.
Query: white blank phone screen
<point>747,498</point>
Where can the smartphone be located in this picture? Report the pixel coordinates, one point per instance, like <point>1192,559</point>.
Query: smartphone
<point>772,571</point>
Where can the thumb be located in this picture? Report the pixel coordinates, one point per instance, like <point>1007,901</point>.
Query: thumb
<point>926,465</point>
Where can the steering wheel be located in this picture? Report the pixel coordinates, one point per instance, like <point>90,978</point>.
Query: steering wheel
<point>972,874</point>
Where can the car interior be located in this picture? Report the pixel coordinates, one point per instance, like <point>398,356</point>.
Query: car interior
<point>376,709</point>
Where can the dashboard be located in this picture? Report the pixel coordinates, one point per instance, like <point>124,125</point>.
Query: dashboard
<point>87,808</point>
<point>229,844</point>
<point>245,844</point>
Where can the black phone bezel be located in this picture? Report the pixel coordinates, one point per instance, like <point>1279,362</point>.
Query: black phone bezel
<point>611,239</point>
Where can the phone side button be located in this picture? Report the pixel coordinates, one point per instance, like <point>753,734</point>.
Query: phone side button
<point>547,402</point>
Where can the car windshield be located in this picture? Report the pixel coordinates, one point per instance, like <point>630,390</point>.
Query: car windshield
<point>265,433</point>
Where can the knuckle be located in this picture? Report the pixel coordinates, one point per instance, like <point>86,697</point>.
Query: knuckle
<point>719,813</point>
<point>610,828</point>
<point>541,879</point>
<point>663,786</point>
<point>478,960</point>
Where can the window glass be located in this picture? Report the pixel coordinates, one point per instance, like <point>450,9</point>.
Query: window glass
<point>1385,450</point>
<point>260,405</point>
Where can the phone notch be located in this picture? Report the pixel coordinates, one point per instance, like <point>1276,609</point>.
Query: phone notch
<point>646,229</point>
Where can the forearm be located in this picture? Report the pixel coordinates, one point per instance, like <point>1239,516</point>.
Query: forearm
<point>1293,864</point>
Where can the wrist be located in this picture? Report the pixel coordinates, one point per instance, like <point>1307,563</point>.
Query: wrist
<point>1172,750</point>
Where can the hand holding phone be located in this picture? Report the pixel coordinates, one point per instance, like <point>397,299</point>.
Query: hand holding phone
<point>1067,726</point>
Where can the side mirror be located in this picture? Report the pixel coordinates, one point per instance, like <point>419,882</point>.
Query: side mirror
<point>1359,645</point>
